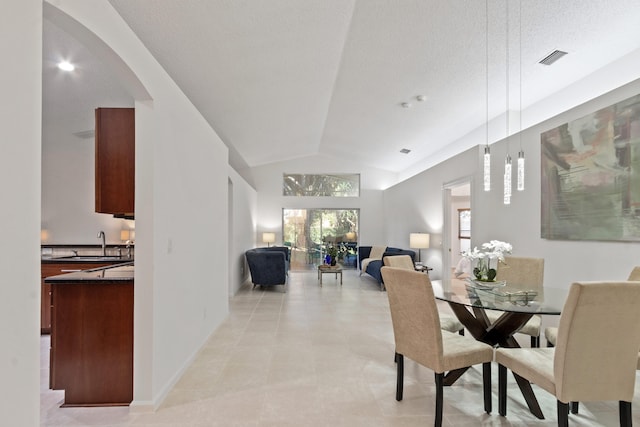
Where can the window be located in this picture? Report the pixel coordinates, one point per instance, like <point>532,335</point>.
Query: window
<point>328,185</point>
<point>464,229</point>
<point>464,223</point>
<point>308,232</point>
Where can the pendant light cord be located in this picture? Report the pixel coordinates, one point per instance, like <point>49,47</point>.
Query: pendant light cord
<point>507,70</point>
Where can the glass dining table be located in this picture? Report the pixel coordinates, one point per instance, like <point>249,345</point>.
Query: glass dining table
<point>469,300</point>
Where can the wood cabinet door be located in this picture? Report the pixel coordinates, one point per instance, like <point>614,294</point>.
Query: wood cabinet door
<point>115,161</point>
<point>92,343</point>
<point>54,269</point>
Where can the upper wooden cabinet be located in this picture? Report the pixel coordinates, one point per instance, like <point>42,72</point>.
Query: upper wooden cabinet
<point>115,161</point>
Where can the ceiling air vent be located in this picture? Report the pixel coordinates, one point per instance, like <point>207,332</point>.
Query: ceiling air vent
<point>552,57</point>
<point>405,151</point>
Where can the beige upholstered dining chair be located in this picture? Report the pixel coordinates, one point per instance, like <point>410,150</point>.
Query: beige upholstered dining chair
<point>417,333</point>
<point>399,261</point>
<point>589,363</point>
<point>525,274</point>
<point>448,322</point>
<point>551,332</point>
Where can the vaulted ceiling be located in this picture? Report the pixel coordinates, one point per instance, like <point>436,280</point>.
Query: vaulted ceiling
<point>283,79</point>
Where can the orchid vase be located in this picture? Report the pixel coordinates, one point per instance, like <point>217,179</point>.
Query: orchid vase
<point>483,270</point>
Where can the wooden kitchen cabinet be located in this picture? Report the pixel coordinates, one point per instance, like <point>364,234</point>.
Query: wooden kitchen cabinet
<point>91,354</point>
<point>115,161</point>
<point>55,269</point>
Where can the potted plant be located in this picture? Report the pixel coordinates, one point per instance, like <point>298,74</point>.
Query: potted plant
<point>332,253</point>
<point>494,249</point>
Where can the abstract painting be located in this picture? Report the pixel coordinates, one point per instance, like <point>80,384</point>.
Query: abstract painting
<point>591,176</point>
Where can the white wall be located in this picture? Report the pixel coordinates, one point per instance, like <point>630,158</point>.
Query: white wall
<point>268,180</point>
<point>20,124</point>
<point>68,193</point>
<point>417,205</point>
<point>243,229</point>
<point>518,223</point>
<point>181,215</point>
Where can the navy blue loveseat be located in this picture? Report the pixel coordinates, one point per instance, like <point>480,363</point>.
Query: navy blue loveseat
<point>374,266</point>
<point>268,266</point>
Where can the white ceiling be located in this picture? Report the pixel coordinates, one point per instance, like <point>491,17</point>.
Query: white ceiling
<point>282,79</point>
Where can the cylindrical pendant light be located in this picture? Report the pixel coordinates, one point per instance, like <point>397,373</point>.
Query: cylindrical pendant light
<point>487,169</point>
<point>507,180</point>
<point>520,170</point>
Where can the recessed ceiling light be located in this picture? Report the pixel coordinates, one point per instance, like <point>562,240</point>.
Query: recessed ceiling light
<point>66,66</point>
<point>405,151</point>
<point>421,98</point>
<point>405,105</point>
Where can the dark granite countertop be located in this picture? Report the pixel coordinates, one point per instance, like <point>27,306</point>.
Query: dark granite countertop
<point>105,275</point>
<point>86,259</point>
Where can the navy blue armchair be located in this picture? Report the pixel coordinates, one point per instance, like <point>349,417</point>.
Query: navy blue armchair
<point>268,266</point>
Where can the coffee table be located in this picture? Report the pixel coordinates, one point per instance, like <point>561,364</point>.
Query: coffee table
<point>323,269</point>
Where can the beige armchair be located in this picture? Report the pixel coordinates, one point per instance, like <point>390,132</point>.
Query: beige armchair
<point>447,322</point>
<point>417,333</point>
<point>526,274</point>
<point>589,362</point>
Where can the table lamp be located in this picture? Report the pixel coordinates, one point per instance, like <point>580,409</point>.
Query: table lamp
<point>419,241</point>
<point>268,238</point>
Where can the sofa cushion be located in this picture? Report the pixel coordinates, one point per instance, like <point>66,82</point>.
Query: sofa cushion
<point>374,266</point>
<point>376,253</point>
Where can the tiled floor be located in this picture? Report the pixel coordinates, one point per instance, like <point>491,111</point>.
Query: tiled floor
<point>313,356</point>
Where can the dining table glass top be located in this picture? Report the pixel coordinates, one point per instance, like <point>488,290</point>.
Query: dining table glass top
<point>500,296</point>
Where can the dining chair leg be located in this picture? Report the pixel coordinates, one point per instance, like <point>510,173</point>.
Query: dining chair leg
<point>563,414</point>
<point>502,390</point>
<point>439,378</point>
<point>625,414</point>
<point>400,376</point>
<point>486,384</point>
<point>574,407</point>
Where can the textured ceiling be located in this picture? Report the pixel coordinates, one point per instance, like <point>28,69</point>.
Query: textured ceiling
<point>282,79</point>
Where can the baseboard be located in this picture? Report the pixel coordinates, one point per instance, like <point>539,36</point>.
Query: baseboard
<point>141,407</point>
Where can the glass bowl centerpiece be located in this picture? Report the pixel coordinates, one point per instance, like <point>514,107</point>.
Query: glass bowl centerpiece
<point>493,250</point>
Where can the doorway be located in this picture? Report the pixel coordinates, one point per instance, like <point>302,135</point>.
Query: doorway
<point>457,229</point>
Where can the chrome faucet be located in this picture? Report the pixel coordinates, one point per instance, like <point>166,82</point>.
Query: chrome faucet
<point>104,245</point>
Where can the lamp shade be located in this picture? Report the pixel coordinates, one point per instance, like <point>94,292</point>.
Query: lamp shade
<point>419,240</point>
<point>268,237</point>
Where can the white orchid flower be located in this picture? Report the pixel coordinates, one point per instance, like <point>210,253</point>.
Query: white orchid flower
<point>493,249</point>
